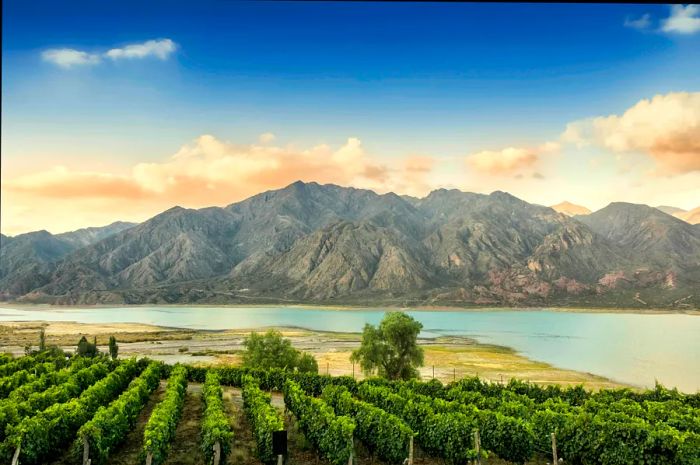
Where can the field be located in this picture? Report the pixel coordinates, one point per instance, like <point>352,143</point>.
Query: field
<point>452,357</point>
<point>55,410</point>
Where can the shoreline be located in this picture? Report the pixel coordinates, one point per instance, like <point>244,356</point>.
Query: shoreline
<point>446,357</point>
<point>354,308</point>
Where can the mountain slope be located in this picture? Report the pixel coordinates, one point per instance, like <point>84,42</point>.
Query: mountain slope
<point>322,243</point>
<point>650,236</point>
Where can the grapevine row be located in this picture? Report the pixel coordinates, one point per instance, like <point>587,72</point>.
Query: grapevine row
<point>383,433</point>
<point>263,418</point>
<point>161,426</point>
<point>216,427</point>
<point>40,435</point>
<point>111,424</point>
<point>332,435</point>
<point>14,408</point>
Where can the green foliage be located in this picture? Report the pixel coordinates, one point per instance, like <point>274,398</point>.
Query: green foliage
<point>113,347</point>
<point>391,349</point>
<point>19,378</point>
<point>46,431</point>
<point>215,425</point>
<point>87,349</point>
<point>442,434</point>
<point>384,434</point>
<point>332,435</point>
<point>110,425</point>
<point>161,426</point>
<point>263,418</point>
<point>271,350</point>
<point>53,388</point>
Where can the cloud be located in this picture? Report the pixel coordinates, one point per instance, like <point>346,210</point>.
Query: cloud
<point>665,127</point>
<point>266,138</point>
<point>161,48</point>
<point>641,23</point>
<point>510,161</point>
<point>683,20</point>
<point>209,171</point>
<point>68,57</point>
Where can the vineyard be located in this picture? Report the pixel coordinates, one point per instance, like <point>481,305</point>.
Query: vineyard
<point>57,410</point>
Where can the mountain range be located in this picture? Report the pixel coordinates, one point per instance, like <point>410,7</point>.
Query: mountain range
<point>311,243</point>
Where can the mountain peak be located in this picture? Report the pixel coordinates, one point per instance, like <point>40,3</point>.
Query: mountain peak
<point>570,209</point>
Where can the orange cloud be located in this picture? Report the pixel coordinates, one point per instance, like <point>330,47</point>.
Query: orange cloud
<point>205,172</point>
<point>511,161</point>
<point>666,128</point>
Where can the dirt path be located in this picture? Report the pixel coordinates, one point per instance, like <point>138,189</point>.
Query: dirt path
<point>243,449</point>
<point>185,449</point>
<point>129,453</point>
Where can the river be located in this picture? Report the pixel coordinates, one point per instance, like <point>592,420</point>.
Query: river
<point>633,348</point>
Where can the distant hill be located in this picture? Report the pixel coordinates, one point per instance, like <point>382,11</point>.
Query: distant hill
<point>570,209</point>
<point>670,210</point>
<point>330,244</point>
<point>692,216</point>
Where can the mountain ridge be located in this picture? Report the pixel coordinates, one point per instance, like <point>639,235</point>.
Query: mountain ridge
<point>317,243</point>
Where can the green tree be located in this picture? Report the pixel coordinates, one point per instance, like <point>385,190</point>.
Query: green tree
<point>42,340</point>
<point>87,349</point>
<point>392,348</point>
<point>113,347</point>
<point>307,363</point>
<point>271,350</point>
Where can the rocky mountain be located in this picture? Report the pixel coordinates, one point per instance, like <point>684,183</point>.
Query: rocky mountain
<point>324,243</point>
<point>26,259</point>
<point>570,209</point>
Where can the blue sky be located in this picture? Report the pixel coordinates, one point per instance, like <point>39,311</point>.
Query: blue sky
<point>417,79</point>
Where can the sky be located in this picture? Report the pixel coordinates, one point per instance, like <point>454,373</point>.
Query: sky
<point>120,110</point>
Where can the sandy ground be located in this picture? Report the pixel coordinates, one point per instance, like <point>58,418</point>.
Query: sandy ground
<point>446,358</point>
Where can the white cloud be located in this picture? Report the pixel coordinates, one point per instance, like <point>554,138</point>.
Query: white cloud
<point>641,23</point>
<point>68,57</point>
<point>161,48</point>
<point>683,19</point>
<point>665,127</point>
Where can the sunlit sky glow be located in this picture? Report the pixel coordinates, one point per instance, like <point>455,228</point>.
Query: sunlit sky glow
<point>119,110</point>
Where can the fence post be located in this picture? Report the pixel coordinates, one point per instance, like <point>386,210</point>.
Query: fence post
<point>454,374</point>
<point>15,458</point>
<point>280,459</point>
<point>554,448</point>
<point>149,458</point>
<point>433,371</point>
<point>410,451</point>
<point>217,453</point>
<point>477,446</point>
<point>86,451</point>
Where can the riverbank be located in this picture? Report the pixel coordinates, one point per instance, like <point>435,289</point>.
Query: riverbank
<point>446,358</point>
<point>357,308</point>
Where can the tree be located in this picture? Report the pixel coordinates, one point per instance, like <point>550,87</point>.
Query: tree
<point>392,348</point>
<point>86,349</point>
<point>307,363</point>
<point>113,347</point>
<point>271,350</point>
<point>42,340</point>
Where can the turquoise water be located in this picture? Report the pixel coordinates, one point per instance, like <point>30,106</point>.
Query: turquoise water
<point>632,348</point>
